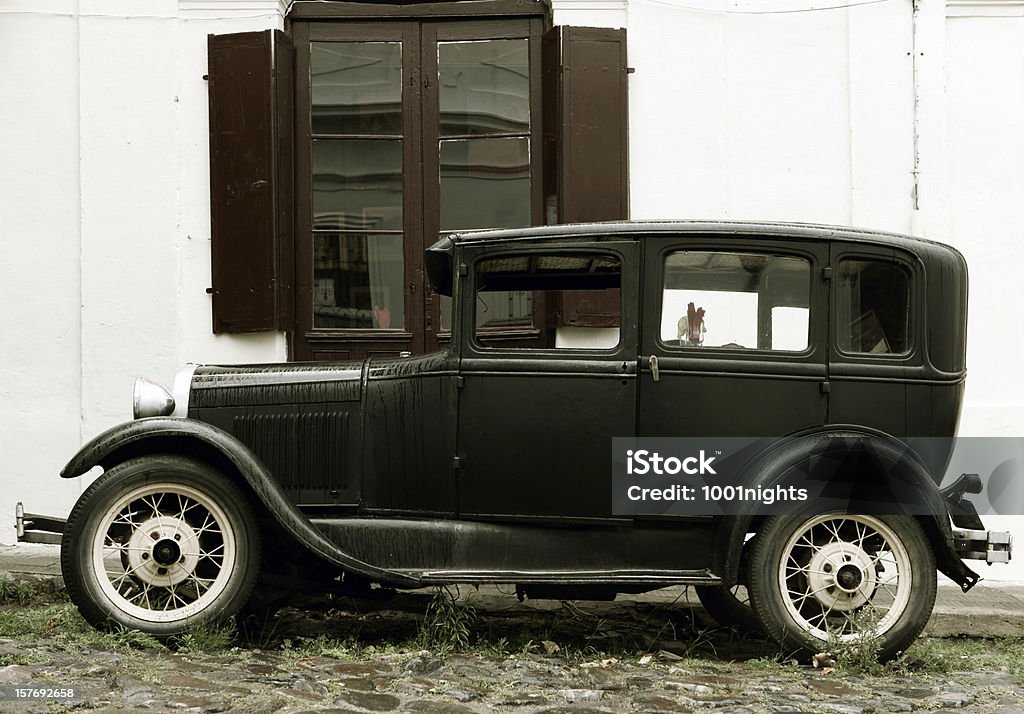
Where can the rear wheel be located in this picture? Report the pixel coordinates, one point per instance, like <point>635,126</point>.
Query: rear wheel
<point>834,578</point>
<point>159,543</point>
<point>729,607</point>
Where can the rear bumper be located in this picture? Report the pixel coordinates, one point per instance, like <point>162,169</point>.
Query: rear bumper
<point>990,546</point>
<point>971,541</point>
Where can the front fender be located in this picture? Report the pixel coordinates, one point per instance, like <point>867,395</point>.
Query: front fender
<point>176,435</point>
<point>898,470</point>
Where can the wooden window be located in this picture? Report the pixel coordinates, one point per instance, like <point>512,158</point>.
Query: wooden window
<point>409,122</point>
<point>407,129</point>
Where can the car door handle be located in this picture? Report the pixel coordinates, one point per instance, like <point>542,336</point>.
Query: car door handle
<point>652,362</point>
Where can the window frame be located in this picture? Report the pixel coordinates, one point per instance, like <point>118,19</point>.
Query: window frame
<point>571,112</point>
<point>420,35</point>
<point>913,269</point>
<point>468,305</point>
<point>741,247</point>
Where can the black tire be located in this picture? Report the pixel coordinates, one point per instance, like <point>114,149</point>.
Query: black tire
<point>729,607</point>
<point>882,575</point>
<point>159,543</point>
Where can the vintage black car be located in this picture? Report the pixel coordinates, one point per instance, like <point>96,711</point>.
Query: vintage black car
<point>491,461</point>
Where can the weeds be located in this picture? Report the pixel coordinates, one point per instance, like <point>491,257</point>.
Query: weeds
<point>207,636</point>
<point>858,651</point>
<point>446,625</point>
<point>20,592</point>
<point>125,638</point>
<point>941,656</point>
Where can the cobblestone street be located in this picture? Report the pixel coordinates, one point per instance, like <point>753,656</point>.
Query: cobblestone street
<point>344,656</point>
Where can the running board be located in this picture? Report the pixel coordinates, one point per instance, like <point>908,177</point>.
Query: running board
<point>656,578</point>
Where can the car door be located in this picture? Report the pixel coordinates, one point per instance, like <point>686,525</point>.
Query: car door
<point>734,336</point>
<point>536,423</point>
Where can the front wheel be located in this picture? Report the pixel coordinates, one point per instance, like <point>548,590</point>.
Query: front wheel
<point>159,543</point>
<point>829,579</point>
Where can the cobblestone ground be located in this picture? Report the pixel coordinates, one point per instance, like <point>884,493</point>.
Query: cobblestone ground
<point>610,658</point>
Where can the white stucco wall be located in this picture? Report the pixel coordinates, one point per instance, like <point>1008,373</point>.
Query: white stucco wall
<point>738,109</point>
<point>104,215</point>
<point>985,108</point>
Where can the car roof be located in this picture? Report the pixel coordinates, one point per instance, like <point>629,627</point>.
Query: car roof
<point>620,229</point>
<point>439,267</point>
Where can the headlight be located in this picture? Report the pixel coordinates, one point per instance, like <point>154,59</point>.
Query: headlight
<point>151,399</point>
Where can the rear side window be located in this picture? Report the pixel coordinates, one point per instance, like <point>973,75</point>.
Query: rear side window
<point>874,307</point>
<point>735,301</point>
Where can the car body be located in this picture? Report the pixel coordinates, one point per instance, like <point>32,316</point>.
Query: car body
<point>491,461</point>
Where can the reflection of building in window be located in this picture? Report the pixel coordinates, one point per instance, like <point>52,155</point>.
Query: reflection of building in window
<point>358,281</point>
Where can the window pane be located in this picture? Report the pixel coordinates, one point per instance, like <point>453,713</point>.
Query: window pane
<point>356,87</point>
<point>485,183</point>
<point>357,184</point>
<point>484,86</point>
<point>505,287</point>
<point>736,301</point>
<point>874,306</point>
<point>506,309</point>
<point>358,281</point>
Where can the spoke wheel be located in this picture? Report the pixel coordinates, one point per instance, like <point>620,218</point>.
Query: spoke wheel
<point>838,577</point>
<point>158,543</point>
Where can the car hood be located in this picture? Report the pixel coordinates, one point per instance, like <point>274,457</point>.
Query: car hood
<point>299,383</point>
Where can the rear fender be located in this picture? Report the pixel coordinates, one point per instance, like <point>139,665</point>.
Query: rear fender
<point>899,469</point>
<point>177,435</point>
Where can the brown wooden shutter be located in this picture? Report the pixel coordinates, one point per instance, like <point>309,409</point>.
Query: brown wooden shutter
<point>586,125</point>
<point>586,144</point>
<point>251,190</point>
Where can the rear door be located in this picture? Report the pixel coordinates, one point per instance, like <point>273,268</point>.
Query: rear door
<point>737,333</point>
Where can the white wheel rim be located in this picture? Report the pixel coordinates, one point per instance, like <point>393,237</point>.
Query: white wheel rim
<point>164,552</point>
<point>842,574</point>
<point>741,594</point>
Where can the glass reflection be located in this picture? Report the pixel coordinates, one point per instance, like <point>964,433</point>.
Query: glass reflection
<point>358,281</point>
<point>357,184</point>
<point>485,183</point>
<point>484,86</point>
<point>356,87</point>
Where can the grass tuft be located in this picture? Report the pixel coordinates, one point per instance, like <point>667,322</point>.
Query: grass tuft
<point>446,625</point>
<point>859,651</point>
<point>207,637</point>
<point>19,592</point>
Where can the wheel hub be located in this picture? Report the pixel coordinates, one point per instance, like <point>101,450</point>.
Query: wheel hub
<point>163,551</point>
<point>166,552</point>
<point>842,576</point>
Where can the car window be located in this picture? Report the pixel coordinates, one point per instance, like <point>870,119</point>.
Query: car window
<point>735,301</point>
<point>580,293</point>
<point>873,300</point>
